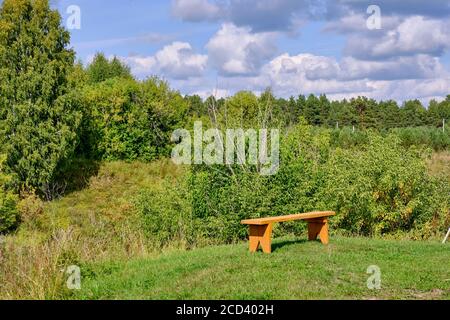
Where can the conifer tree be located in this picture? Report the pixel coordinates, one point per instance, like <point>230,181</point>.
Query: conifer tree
<point>38,109</point>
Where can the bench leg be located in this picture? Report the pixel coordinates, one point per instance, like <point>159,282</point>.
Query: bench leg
<point>261,235</point>
<point>318,227</point>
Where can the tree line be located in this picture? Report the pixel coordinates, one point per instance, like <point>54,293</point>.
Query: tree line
<point>360,112</point>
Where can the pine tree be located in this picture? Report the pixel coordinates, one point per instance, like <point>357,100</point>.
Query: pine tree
<point>102,69</point>
<point>413,114</point>
<point>311,110</point>
<point>38,110</point>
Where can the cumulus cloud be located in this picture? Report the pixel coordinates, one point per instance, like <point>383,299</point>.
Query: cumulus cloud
<point>402,90</point>
<point>398,68</point>
<point>402,78</point>
<point>236,51</point>
<point>287,84</point>
<point>400,61</point>
<point>357,23</point>
<point>312,67</point>
<point>176,61</point>
<point>307,73</point>
<point>309,66</point>
<point>415,35</point>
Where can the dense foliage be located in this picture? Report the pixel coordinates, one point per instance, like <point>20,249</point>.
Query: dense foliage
<point>8,202</point>
<point>39,112</point>
<point>358,113</point>
<point>377,188</point>
<point>361,157</point>
<point>129,120</point>
<point>434,138</point>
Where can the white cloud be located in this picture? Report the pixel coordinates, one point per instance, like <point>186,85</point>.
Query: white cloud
<point>236,51</point>
<point>433,8</point>
<point>258,15</point>
<point>415,35</point>
<point>402,90</point>
<point>175,61</point>
<point>217,93</point>
<point>311,66</point>
<point>286,83</point>
<point>357,23</point>
<point>401,78</point>
<point>409,67</point>
<point>306,73</point>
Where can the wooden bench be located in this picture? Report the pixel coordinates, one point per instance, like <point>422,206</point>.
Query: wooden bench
<point>261,228</point>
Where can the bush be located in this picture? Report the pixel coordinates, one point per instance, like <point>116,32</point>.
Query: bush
<point>8,203</point>
<point>382,188</point>
<point>424,136</point>
<point>30,209</point>
<point>129,120</point>
<point>223,196</point>
<point>377,188</point>
<point>8,211</point>
<point>221,199</point>
<point>166,215</point>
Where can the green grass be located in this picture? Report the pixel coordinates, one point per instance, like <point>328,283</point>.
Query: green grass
<point>94,223</point>
<point>96,228</point>
<point>295,270</point>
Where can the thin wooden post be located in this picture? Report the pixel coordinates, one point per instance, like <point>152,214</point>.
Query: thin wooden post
<point>446,237</point>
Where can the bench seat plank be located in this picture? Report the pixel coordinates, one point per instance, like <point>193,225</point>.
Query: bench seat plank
<point>292,217</point>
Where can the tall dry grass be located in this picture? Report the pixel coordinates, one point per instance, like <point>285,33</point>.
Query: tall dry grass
<point>92,225</point>
<point>37,270</point>
<point>439,164</point>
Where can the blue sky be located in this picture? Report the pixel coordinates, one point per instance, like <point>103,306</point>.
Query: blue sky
<point>293,46</point>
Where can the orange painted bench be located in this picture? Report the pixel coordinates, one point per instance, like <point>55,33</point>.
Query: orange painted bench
<point>261,228</point>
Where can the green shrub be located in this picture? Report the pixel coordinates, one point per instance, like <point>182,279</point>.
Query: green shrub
<point>430,137</point>
<point>129,120</point>
<point>221,199</point>
<point>377,187</point>
<point>382,188</point>
<point>166,214</point>
<point>8,203</point>
<point>223,196</point>
<point>8,211</point>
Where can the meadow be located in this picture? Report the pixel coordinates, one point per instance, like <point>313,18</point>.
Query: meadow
<point>99,229</point>
<point>87,181</point>
<point>296,270</point>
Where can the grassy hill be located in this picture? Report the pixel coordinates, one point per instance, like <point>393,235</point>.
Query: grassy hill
<point>296,270</point>
<point>96,229</point>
